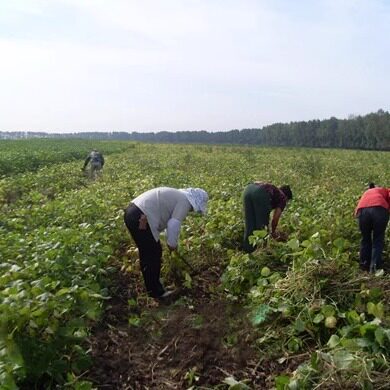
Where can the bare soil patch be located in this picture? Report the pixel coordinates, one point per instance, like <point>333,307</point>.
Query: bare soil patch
<point>198,340</point>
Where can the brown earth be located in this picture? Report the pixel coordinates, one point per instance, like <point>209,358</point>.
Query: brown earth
<point>199,340</point>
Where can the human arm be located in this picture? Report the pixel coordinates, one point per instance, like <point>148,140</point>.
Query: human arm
<point>275,221</point>
<point>182,208</point>
<point>173,231</point>
<point>87,161</point>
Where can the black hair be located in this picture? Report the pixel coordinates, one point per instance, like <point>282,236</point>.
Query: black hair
<point>371,185</point>
<point>286,191</point>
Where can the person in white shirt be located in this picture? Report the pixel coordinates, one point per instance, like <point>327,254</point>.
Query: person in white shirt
<point>151,213</point>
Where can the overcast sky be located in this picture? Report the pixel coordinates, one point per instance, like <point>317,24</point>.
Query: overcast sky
<point>152,65</point>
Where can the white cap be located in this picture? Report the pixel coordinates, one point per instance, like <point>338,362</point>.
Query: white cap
<point>198,198</point>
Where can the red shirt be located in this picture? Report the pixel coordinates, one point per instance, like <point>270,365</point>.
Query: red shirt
<point>373,197</point>
<point>277,197</point>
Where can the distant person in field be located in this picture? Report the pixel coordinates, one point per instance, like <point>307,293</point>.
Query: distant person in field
<point>372,212</point>
<point>259,200</point>
<point>148,215</point>
<point>96,163</point>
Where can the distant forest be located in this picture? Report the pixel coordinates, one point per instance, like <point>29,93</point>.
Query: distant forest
<point>370,132</point>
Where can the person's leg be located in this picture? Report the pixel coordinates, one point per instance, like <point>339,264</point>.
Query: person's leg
<point>99,169</point>
<point>380,219</point>
<point>91,171</point>
<point>150,260</point>
<point>249,216</point>
<point>365,226</point>
<point>150,252</point>
<point>95,168</point>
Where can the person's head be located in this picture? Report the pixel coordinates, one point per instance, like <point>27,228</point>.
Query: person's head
<point>198,199</point>
<point>287,191</point>
<point>371,185</point>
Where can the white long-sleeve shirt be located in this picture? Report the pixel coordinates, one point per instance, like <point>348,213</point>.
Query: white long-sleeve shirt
<point>165,208</point>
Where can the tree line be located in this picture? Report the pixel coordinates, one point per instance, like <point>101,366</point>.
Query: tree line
<point>371,131</point>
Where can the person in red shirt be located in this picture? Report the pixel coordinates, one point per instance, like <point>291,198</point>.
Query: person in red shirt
<point>372,212</point>
<point>259,199</point>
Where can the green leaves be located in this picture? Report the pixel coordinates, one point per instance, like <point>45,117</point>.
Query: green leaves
<point>260,314</point>
<point>382,337</point>
<point>318,318</point>
<point>299,325</point>
<point>343,359</point>
<point>57,231</point>
<point>281,382</point>
<point>341,244</point>
<point>293,244</point>
<point>235,384</point>
<point>353,317</point>
<point>187,280</point>
<point>134,320</point>
<point>258,237</point>
<point>376,310</point>
<point>333,341</point>
<point>328,310</point>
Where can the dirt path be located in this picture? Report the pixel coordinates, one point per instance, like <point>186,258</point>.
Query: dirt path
<point>200,339</point>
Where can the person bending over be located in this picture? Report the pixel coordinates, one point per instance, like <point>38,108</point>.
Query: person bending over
<point>148,215</point>
<point>372,212</point>
<point>259,200</point>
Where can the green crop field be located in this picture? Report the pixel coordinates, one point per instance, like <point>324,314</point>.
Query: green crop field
<point>26,156</point>
<point>73,309</point>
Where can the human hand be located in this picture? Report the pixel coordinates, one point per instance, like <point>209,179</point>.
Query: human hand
<point>279,236</point>
<point>143,222</point>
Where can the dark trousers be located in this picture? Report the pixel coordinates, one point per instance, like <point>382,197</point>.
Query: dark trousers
<point>257,208</point>
<point>149,249</point>
<point>372,223</point>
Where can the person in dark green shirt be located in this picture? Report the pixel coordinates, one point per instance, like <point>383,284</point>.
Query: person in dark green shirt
<point>259,200</point>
